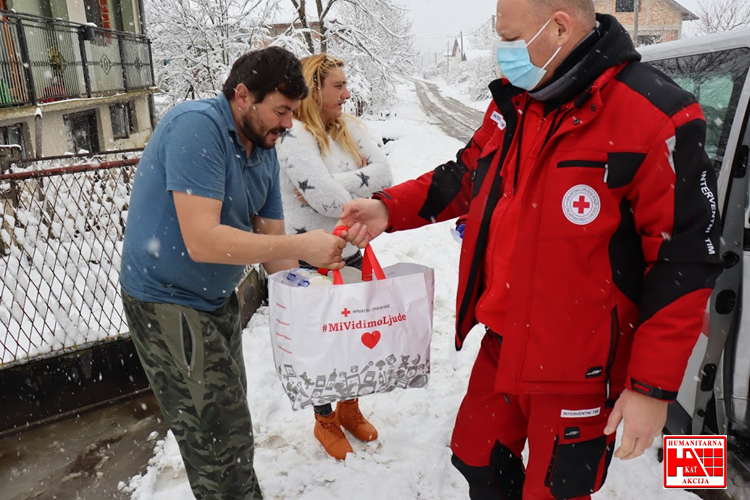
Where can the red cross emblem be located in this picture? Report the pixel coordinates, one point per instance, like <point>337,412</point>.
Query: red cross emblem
<point>581,205</point>
<point>346,312</point>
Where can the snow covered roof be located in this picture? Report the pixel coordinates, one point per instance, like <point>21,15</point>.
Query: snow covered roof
<point>453,51</point>
<point>687,15</point>
<point>707,43</point>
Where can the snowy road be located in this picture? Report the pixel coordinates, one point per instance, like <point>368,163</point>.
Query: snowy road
<point>452,116</point>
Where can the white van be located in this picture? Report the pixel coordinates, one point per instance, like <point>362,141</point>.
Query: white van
<point>715,393</point>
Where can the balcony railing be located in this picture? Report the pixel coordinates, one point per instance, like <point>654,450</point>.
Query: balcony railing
<point>44,60</point>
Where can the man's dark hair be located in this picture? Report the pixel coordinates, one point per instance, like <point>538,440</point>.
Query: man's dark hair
<point>263,71</point>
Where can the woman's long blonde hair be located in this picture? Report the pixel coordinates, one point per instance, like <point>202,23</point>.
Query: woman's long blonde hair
<point>315,70</point>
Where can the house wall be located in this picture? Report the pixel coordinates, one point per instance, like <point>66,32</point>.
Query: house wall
<point>655,17</point>
<point>77,11</point>
<point>123,13</point>
<point>54,137</point>
<point>34,7</point>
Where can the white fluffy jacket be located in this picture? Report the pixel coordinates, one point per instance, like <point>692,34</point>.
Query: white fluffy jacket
<point>327,182</point>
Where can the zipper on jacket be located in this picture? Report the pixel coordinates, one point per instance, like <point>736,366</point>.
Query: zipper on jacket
<point>518,146</point>
<point>187,333</point>
<point>613,342</point>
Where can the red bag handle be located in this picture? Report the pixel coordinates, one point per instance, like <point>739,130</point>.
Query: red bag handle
<point>370,264</point>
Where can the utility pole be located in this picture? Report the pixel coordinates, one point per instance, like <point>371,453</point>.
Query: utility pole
<point>636,11</point>
<point>448,60</point>
<point>462,47</point>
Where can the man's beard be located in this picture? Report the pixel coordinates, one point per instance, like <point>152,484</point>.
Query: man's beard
<point>252,128</point>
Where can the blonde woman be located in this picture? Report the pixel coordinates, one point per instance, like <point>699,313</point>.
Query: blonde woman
<point>327,159</point>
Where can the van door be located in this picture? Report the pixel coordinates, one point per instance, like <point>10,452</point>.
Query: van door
<point>714,394</point>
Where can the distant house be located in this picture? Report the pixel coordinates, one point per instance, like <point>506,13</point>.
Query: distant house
<point>454,53</point>
<point>274,31</point>
<point>278,29</point>
<point>658,20</point>
<point>74,75</point>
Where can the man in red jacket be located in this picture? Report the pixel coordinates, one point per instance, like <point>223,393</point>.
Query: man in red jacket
<point>589,253</point>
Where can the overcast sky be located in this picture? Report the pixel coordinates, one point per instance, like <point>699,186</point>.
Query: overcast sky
<point>435,21</point>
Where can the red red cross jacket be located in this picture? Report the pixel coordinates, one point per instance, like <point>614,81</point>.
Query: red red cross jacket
<point>591,243</point>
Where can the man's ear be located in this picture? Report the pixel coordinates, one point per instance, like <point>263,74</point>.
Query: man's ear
<point>243,96</point>
<point>563,27</point>
<point>240,95</point>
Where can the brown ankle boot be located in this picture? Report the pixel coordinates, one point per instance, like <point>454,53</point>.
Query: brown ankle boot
<point>352,419</point>
<point>331,436</point>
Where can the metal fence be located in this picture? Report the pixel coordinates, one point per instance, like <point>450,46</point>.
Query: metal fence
<point>62,222</point>
<point>43,60</point>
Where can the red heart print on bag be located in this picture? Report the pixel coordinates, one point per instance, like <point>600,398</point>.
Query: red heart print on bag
<point>370,340</point>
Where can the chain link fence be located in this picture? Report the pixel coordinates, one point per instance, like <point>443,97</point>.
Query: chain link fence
<point>62,222</point>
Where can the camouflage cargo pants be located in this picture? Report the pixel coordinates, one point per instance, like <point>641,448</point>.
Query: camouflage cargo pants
<point>193,360</point>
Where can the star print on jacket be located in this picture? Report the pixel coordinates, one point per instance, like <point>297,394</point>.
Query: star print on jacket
<point>305,185</point>
<point>285,134</point>
<point>365,179</point>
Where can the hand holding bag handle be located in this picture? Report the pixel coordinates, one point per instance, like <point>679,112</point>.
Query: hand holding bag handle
<point>370,264</point>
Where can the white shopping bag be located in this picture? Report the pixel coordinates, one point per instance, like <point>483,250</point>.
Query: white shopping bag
<point>332,343</point>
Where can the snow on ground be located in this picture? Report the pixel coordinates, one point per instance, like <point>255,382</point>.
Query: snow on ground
<point>411,458</point>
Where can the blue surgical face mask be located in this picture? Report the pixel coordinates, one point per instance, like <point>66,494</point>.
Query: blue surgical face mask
<point>516,64</point>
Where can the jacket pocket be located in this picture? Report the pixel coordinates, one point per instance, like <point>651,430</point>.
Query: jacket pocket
<point>580,458</point>
<point>603,165</point>
<point>582,163</point>
<point>619,169</point>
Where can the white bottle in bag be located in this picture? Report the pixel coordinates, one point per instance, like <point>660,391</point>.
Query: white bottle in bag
<point>305,278</point>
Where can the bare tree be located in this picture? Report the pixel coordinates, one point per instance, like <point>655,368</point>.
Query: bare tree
<point>323,9</point>
<point>195,42</point>
<point>372,36</point>
<point>300,6</point>
<point>722,15</point>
